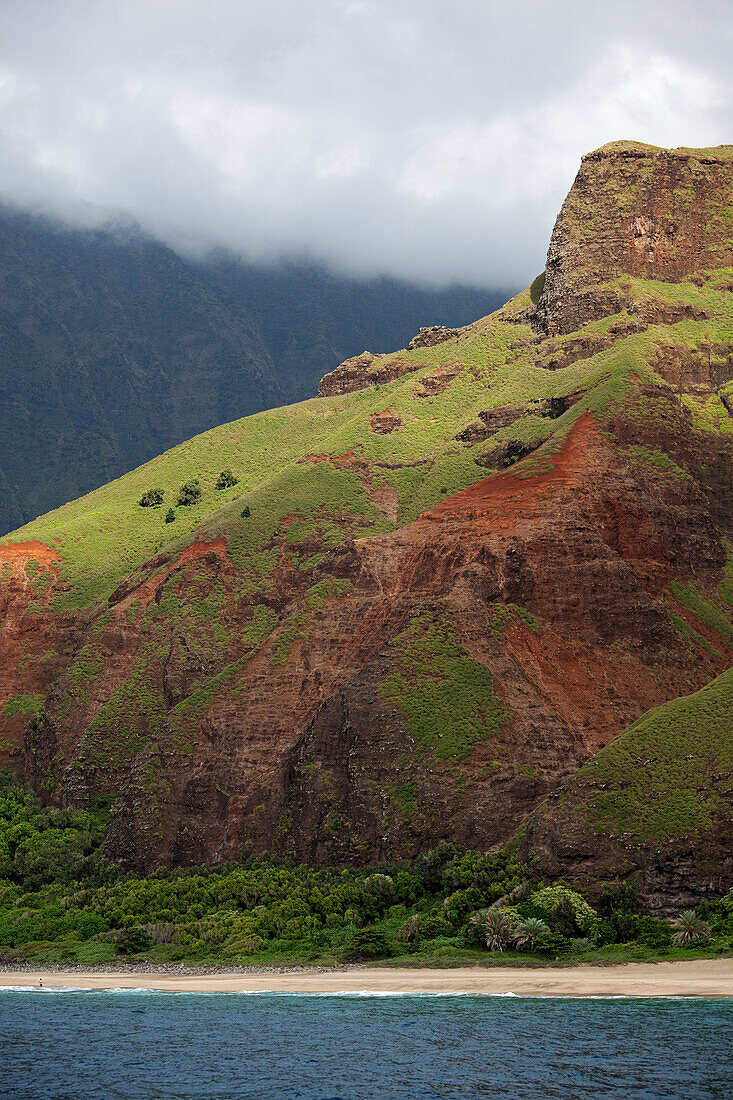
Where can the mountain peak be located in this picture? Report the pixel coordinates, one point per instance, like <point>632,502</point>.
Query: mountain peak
<point>635,210</point>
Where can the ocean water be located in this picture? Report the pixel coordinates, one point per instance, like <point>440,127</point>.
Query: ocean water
<point>98,1045</point>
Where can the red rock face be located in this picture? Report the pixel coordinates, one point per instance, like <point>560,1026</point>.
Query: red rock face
<point>293,744</point>
<point>32,642</point>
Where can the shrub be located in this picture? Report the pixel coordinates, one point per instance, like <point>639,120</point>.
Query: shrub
<point>631,928</point>
<point>189,493</point>
<point>689,928</point>
<point>151,498</point>
<point>460,904</point>
<point>159,932</point>
<point>410,930</point>
<point>226,479</point>
<point>381,887</point>
<point>132,940</point>
<point>473,933</point>
<point>248,945</point>
<point>170,516</point>
<point>621,897</point>
<point>568,913</point>
<point>365,943</point>
<point>245,513</point>
<point>617,905</point>
<point>652,932</point>
<point>434,924</point>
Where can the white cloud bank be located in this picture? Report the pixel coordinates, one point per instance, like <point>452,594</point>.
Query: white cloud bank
<point>430,139</point>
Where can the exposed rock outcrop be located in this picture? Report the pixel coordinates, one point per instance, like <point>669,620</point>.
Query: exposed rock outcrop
<point>434,334</point>
<point>491,421</point>
<point>384,423</point>
<point>362,371</point>
<point>634,210</point>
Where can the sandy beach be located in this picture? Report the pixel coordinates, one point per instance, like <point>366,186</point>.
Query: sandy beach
<point>696,978</point>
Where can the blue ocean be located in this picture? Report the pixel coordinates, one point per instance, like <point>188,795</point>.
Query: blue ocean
<point>99,1045</point>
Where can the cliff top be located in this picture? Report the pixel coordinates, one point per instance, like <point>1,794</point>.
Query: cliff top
<point>635,210</point>
<point>640,148</point>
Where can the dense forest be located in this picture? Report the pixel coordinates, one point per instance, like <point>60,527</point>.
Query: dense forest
<point>61,901</point>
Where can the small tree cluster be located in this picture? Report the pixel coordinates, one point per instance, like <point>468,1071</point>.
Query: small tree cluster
<point>151,498</point>
<point>133,940</point>
<point>189,493</point>
<point>226,479</point>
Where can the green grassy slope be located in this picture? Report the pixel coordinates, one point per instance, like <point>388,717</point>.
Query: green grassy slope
<point>654,780</point>
<point>105,535</point>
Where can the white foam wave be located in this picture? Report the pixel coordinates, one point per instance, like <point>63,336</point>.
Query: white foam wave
<point>42,989</point>
<point>340,993</point>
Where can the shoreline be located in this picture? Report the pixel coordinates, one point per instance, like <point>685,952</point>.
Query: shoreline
<point>678,978</point>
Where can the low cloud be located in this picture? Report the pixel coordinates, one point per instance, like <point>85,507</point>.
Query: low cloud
<point>432,140</point>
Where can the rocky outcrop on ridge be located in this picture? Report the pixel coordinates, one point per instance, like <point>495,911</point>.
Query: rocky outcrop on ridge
<point>634,210</point>
<point>362,371</point>
<point>429,337</point>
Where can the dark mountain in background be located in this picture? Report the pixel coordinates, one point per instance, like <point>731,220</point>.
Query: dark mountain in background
<point>114,348</point>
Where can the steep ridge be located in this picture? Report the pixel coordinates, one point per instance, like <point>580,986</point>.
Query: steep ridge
<point>429,599</point>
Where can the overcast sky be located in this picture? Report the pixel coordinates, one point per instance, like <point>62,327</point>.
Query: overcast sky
<point>432,139</point>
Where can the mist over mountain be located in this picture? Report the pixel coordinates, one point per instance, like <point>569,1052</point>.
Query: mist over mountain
<point>114,348</point>
<point>431,141</point>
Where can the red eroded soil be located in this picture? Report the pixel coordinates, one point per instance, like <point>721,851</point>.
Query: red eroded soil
<point>503,499</point>
<point>347,461</point>
<point>18,553</point>
<point>142,592</point>
<point>198,549</point>
<point>23,642</point>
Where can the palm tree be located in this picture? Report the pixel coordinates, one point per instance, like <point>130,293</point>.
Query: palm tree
<point>530,933</point>
<point>689,928</point>
<point>500,929</point>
